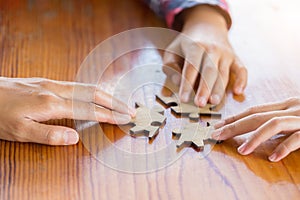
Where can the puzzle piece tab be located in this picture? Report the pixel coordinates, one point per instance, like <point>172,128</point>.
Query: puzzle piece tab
<point>193,134</point>
<point>187,109</point>
<point>147,121</point>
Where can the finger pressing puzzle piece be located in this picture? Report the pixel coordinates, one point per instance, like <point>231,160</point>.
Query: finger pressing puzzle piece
<point>147,121</point>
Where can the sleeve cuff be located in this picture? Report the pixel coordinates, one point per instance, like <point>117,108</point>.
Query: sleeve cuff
<point>221,7</point>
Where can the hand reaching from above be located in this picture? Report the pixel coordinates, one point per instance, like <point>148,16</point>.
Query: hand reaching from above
<point>207,51</point>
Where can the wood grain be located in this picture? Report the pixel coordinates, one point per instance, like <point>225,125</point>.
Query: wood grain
<point>52,38</point>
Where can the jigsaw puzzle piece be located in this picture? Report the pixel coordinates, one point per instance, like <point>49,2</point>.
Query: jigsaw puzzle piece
<point>193,134</point>
<point>147,121</point>
<point>149,131</point>
<point>193,112</point>
<point>158,109</point>
<point>187,109</point>
<point>168,101</point>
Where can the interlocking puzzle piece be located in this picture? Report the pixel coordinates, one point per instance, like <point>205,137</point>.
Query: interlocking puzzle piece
<point>187,109</point>
<point>193,134</point>
<point>147,121</point>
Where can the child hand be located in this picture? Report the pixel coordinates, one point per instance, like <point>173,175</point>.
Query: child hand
<point>265,121</point>
<point>26,102</point>
<point>206,30</point>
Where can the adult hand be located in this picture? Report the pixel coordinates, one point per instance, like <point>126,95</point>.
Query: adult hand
<point>206,49</point>
<point>265,121</point>
<point>26,102</point>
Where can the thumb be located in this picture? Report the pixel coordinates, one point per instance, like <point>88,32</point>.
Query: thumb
<point>51,134</point>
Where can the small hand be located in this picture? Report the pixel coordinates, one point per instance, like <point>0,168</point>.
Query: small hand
<point>26,102</point>
<point>265,121</point>
<point>206,49</point>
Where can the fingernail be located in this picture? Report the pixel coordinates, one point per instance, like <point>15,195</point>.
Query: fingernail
<point>215,99</point>
<point>70,137</point>
<point>242,148</point>
<point>219,124</point>
<point>202,101</point>
<point>273,157</point>
<point>185,96</point>
<point>216,134</point>
<point>176,79</point>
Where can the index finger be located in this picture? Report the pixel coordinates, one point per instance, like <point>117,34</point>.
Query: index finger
<point>191,70</point>
<point>277,106</point>
<point>246,124</point>
<point>87,93</point>
<point>106,100</point>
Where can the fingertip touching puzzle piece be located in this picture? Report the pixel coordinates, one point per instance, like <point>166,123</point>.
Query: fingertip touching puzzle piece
<point>147,121</point>
<point>187,109</point>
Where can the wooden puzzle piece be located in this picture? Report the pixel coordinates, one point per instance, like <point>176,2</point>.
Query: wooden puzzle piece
<point>187,109</point>
<point>147,121</point>
<point>193,134</point>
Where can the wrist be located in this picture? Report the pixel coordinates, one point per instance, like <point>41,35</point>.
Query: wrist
<point>203,15</point>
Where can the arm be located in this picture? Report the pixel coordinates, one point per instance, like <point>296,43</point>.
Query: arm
<point>170,9</point>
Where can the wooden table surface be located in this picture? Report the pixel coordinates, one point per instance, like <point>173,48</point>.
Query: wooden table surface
<point>52,38</point>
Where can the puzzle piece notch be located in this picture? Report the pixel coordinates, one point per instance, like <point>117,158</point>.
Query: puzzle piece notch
<point>187,109</point>
<point>168,101</point>
<point>147,121</point>
<point>193,134</point>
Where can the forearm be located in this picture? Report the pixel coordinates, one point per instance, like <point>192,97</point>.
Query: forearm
<point>203,16</point>
<point>171,10</point>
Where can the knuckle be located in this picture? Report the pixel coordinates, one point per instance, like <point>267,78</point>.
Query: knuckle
<point>255,139</point>
<point>227,52</point>
<point>44,83</point>
<point>49,101</point>
<point>253,110</point>
<point>230,128</point>
<point>101,115</point>
<point>212,47</point>
<point>231,119</point>
<point>297,136</point>
<point>47,98</point>
<point>251,140</point>
<point>293,101</point>
<point>211,69</point>
<point>21,85</point>
<point>276,122</point>
<point>283,148</point>
<point>255,117</point>
<point>194,46</point>
<point>223,70</point>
